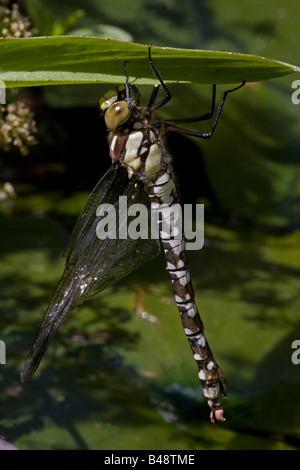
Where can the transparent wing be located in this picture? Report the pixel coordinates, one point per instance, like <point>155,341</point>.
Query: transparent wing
<point>93,264</point>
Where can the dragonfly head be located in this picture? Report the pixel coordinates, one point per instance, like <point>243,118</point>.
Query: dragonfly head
<point>115,106</point>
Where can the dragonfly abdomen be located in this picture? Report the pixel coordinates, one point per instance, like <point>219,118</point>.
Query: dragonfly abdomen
<point>163,197</point>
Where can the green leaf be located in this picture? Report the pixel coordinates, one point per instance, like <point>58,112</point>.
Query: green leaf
<point>60,27</point>
<point>76,59</point>
<point>49,22</point>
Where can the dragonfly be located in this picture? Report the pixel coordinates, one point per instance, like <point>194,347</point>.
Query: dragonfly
<point>142,172</point>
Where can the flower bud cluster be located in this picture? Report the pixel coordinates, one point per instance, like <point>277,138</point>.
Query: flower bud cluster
<point>13,24</point>
<point>17,127</point>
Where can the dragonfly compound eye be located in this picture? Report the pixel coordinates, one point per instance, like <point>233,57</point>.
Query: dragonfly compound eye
<point>108,99</point>
<point>117,114</point>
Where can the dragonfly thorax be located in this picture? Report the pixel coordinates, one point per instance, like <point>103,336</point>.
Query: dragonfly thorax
<point>134,140</point>
<point>139,150</point>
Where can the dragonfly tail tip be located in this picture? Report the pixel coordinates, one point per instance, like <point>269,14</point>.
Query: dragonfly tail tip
<point>217,414</point>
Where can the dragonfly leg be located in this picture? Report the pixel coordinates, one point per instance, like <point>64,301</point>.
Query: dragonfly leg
<point>153,96</point>
<point>153,107</point>
<point>171,125</point>
<point>127,85</point>
<point>202,117</point>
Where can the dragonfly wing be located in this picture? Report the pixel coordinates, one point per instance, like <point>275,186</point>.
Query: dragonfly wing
<point>92,263</point>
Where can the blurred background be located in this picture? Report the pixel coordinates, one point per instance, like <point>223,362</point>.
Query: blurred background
<point>115,378</point>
